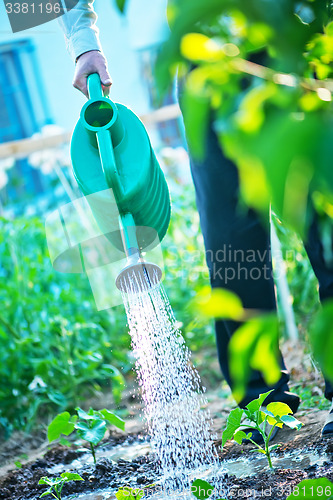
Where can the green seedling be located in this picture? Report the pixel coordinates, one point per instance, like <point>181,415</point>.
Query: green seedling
<point>89,426</point>
<point>56,484</point>
<point>311,489</point>
<point>260,418</point>
<point>202,490</point>
<point>128,493</point>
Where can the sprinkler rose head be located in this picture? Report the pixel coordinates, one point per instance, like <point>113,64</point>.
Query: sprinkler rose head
<point>138,277</point>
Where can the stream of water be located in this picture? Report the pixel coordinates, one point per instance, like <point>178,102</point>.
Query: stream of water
<point>170,386</point>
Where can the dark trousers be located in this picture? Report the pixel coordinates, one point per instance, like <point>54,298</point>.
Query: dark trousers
<point>231,234</point>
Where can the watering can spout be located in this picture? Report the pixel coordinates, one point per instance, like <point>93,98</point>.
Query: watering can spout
<point>138,275</point>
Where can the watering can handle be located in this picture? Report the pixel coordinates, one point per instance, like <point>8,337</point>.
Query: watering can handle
<point>94,86</point>
<point>104,142</point>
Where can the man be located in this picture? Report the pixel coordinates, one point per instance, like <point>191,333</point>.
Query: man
<point>223,226</point>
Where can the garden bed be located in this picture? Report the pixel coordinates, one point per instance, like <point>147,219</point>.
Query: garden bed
<point>124,459</point>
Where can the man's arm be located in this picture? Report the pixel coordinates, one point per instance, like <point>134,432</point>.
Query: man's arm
<point>81,34</point>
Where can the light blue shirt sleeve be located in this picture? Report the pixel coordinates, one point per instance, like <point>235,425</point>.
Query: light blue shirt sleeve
<point>79,27</point>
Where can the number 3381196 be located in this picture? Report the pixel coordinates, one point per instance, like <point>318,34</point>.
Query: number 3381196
<point>33,8</point>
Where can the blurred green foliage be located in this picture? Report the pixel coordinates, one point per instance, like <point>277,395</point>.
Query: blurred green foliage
<point>261,71</point>
<point>254,69</point>
<point>55,347</point>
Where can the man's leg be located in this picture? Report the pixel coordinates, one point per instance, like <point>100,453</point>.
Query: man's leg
<point>324,272</point>
<point>238,255</point>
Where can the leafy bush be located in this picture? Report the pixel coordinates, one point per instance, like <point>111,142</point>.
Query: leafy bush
<point>55,347</point>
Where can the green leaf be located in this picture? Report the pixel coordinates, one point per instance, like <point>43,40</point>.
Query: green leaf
<point>259,450</point>
<point>113,419</point>
<point>279,409</point>
<point>291,422</point>
<point>18,464</point>
<point>201,489</point>
<point>218,303</point>
<point>127,493</point>
<point>47,492</point>
<point>311,489</point>
<point>196,47</point>
<point>255,404</point>
<point>71,476</point>
<point>233,424</point>
<point>44,480</point>
<point>123,493</point>
<point>270,418</point>
<point>240,435</point>
<point>254,346</point>
<point>274,447</point>
<point>61,424</point>
<point>65,442</point>
<point>83,415</point>
<point>93,431</point>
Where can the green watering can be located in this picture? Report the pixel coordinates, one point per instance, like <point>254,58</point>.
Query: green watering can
<point>111,152</point>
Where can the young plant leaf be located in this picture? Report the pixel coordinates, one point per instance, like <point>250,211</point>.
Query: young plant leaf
<point>201,489</point>
<point>93,431</point>
<point>61,424</point>
<point>233,423</point>
<point>113,419</point>
<point>255,405</point>
<point>127,493</point>
<point>218,303</point>
<point>240,435</point>
<point>291,422</point>
<point>44,480</point>
<point>83,415</point>
<point>279,409</point>
<point>269,417</point>
<point>71,476</point>
<point>47,492</point>
<point>311,489</point>
<point>274,447</point>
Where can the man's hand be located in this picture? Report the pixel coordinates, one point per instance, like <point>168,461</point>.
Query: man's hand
<point>88,63</point>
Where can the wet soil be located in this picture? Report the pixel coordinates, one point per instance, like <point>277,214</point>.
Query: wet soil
<point>124,459</point>
<point>301,455</point>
